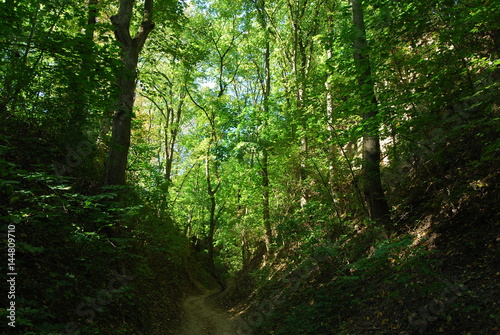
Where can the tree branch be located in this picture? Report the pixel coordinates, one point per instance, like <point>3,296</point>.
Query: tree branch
<point>146,26</point>
<point>121,22</point>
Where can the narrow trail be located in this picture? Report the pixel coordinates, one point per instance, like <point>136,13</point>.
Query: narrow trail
<point>202,318</point>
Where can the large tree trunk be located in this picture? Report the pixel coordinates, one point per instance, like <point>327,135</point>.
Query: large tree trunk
<point>122,117</point>
<point>372,185</point>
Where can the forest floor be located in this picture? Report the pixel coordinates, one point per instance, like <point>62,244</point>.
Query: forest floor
<point>202,317</point>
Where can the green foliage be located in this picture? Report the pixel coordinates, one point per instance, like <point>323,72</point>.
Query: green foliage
<point>256,106</point>
<point>71,245</point>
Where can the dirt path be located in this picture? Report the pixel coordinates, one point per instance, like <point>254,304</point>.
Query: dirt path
<point>204,319</point>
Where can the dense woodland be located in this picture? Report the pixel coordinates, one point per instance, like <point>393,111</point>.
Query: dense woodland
<point>326,166</point>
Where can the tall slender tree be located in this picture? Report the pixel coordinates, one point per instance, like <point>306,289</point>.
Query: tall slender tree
<point>260,5</point>
<point>122,117</point>
<point>372,185</point>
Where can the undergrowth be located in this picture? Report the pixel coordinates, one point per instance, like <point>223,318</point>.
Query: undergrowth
<point>86,261</point>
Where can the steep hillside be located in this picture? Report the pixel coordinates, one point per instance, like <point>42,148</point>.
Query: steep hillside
<point>436,274</point>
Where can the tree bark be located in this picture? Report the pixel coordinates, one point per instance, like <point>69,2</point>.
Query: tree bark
<point>372,185</point>
<point>299,68</point>
<point>266,92</point>
<point>213,218</point>
<point>265,201</point>
<point>265,166</point>
<point>171,131</point>
<point>213,205</point>
<point>122,117</point>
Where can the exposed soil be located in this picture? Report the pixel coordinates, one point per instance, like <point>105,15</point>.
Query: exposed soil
<point>202,317</point>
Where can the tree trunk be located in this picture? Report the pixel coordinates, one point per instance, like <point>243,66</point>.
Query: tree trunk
<point>122,117</point>
<point>212,191</point>
<point>266,92</point>
<point>372,185</point>
<point>171,131</point>
<point>211,231</point>
<point>245,249</point>
<point>265,166</point>
<point>299,66</point>
<point>265,202</point>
